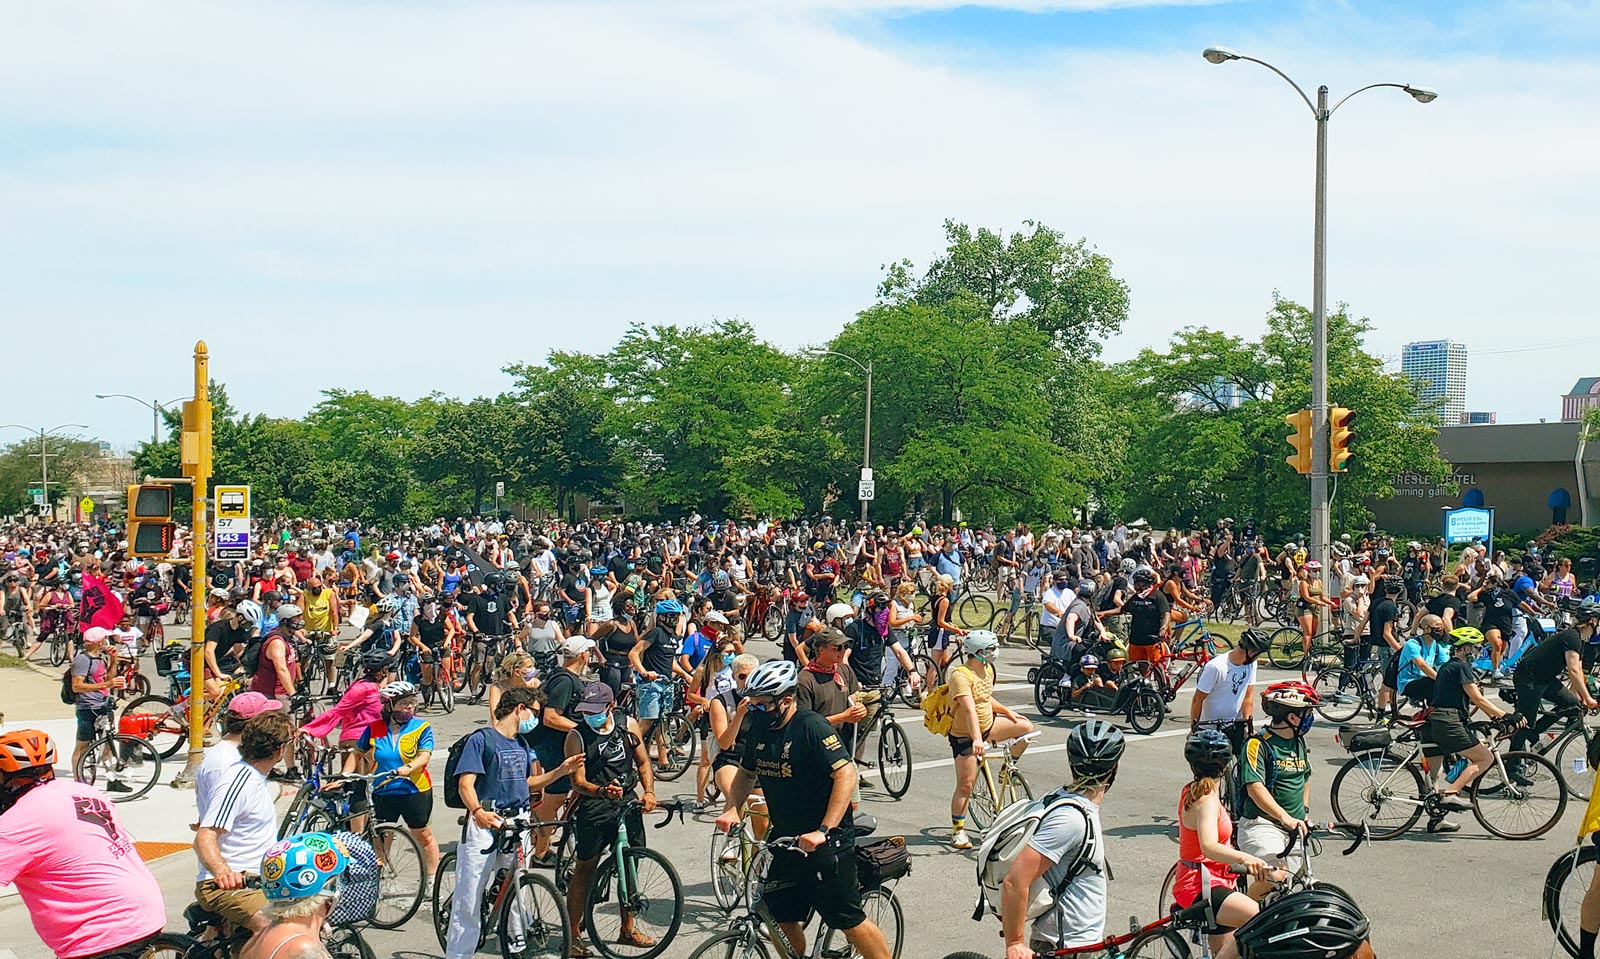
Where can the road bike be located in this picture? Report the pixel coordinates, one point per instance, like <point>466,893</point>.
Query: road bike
<point>1286,649</point>
<point>671,740</point>
<point>1565,885</point>
<point>1565,742</point>
<point>123,766</point>
<point>894,746</point>
<point>526,912</point>
<point>635,887</point>
<point>754,934</point>
<point>995,789</point>
<point>1344,693</point>
<point>1156,940</point>
<point>1300,876</point>
<point>1387,784</point>
<point>1191,639</point>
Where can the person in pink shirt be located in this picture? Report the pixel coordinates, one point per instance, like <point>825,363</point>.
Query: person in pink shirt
<point>64,848</point>
<point>360,705</point>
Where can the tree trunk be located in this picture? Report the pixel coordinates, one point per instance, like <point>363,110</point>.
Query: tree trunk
<point>947,504</point>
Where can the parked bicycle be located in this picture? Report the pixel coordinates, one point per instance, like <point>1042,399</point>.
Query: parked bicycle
<point>123,766</point>
<point>523,908</point>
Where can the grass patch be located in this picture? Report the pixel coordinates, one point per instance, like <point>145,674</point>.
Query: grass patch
<point>13,661</point>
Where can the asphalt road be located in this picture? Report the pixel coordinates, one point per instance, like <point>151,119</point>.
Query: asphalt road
<point>1472,889</point>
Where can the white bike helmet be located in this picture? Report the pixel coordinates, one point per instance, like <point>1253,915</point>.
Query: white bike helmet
<point>388,604</point>
<point>839,611</point>
<point>398,689</point>
<point>980,640</point>
<point>250,610</point>
<point>775,678</point>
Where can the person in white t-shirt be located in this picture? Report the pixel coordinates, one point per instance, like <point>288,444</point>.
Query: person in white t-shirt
<point>238,824</point>
<point>1222,693</point>
<point>224,754</point>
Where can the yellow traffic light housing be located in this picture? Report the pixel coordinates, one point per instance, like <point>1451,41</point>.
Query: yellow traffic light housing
<point>1300,440</point>
<point>151,531</point>
<point>1339,433</point>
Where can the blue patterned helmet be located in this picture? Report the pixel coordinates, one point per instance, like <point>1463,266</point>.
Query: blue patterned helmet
<point>302,866</point>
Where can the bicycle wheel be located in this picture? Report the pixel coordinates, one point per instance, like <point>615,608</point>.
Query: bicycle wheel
<point>534,921</point>
<point>1378,789</point>
<point>1564,888</point>
<point>478,677</point>
<point>58,649</point>
<point>1408,615</point>
<point>444,887</point>
<point>1327,653</point>
<point>1285,648</point>
<point>1146,711</point>
<point>727,868</point>
<point>894,759</point>
<point>654,899</point>
<point>1520,797</point>
<point>678,735</point>
<point>883,910</point>
<point>1029,627</point>
<point>975,611</point>
<point>1005,623</point>
<point>458,679</point>
<point>296,813</point>
<point>159,721</point>
<point>1164,900</point>
<point>167,945</point>
<point>1572,758</point>
<point>981,804</point>
<point>1340,693</point>
<point>400,884</point>
<point>444,694</point>
<point>1157,944</point>
<point>123,767</point>
<point>138,686</point>
<point>772,622</point>
<point>346,942</point>
<point>744,944</point>
<point>1048,695</point>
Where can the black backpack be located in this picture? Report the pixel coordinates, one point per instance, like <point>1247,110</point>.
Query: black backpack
<point>250,653</point>
<point>68,697</point>
<point>452,791</point>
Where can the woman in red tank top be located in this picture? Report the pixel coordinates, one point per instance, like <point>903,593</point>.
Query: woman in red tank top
<point>1204,830</point>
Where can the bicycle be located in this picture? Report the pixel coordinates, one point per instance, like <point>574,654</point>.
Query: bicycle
<point>754,934</point>
<point>1345,693</point>
<point>1155,940</point>
<point>1142,701</point>
<point>17,635</point>
<point>671,735</point>
<point>732,852</point>
<point>60,631</point>
<point>134,683</point>
<point>1390,788</point>
<point>894,746</point>
<point>118,759</point>
<point>527,914</point>
<point>1565,886</point>
<point>1569,741</point>
<point>991,792</point>
<point>1286,649</point>
<point>212,937</point>
<point>1192,640</point>
<point>316,662</point>
<point>1024,620</point>
<point>635,887</point>
<point>1298,878</point>
<point>440,664</point>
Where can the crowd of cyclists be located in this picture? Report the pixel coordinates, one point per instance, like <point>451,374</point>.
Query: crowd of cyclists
<point>608,656</point>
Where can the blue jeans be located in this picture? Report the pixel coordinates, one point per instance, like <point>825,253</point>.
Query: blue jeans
<point>650,698</point>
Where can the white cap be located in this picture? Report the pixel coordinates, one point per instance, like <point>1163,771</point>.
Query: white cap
<point>576,646</point>
<point>716,616</point>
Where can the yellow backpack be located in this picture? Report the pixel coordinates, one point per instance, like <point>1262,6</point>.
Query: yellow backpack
<point>938,710</point>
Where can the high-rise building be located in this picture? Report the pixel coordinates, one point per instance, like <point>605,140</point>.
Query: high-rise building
<point>1439,369</point>
<point>1585,396</point>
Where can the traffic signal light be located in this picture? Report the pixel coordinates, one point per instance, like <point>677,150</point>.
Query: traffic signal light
<point>150,527</point>
<point>1339,420</point>
<point>1300,440</point>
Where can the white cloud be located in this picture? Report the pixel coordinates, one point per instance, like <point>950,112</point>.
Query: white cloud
<point>410,196</point>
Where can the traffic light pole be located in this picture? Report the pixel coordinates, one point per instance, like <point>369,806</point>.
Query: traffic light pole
<point>199,470</point>
<point>1321,526</point>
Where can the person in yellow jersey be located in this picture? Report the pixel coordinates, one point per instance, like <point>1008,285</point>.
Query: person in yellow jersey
<point>402,743</point>
<point>979,718</point>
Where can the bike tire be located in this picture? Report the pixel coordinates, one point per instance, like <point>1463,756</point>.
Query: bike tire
<point>1564,888</point>
<point>1512,810</point>
<point>981,806</point>
<point>975,611</point>
<point>743,944</point>
<point>1339,692</point>
<point>727,876</point>
<point>656,904</point>
<point>772,622</point>
<point>883,910</point>
<point>1572,759</point>
<point>542,915</point>
<point>168,945</point>
<point>444,887</point>
<point>1146,711</point>
<point>1285,649</point>
<point>133,762</point>
<point>346,942</point>
<point>679,736</point>
<point>477,684</point>
<point>58,650</point>
<point>1048,696</point>
<point>290,825</point>
<point>1375,778</point>
<point>894,759</point>
<point>1164,900</point>
<point>1157,944</point>
<point>401,880</point>
<point>445,695</point>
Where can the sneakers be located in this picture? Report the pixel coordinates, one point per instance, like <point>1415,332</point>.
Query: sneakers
<point>959,840</point>
<point>730,853</point>
<point>1496,678</point>
<point>1442,825</point>
<point>1519,773</point>
<point>1454,803</point>
<point>118,786</point>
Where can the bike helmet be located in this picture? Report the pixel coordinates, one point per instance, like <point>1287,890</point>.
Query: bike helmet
<point>1254,642</point>
<point>980,641</point>
<point>493,578</point>
<point>1313,922</point>
<point>1280,699</point>
<point>26,749</point>
<point>1085,588</point>
<point>1313,565</point>
<point>1465,636</point>
<point>1094,748</point>
<point>1588,609</point>
<point>373,660</point>
<point>250,611</point>
<point>302,866</point>
<point>398,689</point>
<point>1128,566</point>
<point>598,571</point>
<point>668,607</point>
<point>1208,752</point>
<point>287,612</point>
<point>1089,662</point>
<point>775,678</point>
<point>1360,580</point>
<point>388,604</point>
<point>1144,575</point>
<point>839,611</point>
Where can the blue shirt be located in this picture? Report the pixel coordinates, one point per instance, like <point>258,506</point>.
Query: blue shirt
<point>949,564</point>
<point>1436,655</point>
<point>395,747</point>
<point>695,646</point>
<point>501,764</point>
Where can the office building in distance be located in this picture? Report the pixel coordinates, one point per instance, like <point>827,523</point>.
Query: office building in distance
<point>1439,369</point>
<point>1585,396</point>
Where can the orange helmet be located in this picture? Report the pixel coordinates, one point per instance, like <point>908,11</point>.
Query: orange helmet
<point>26,749</point>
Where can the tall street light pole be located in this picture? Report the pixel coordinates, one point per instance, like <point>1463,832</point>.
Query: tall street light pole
<point>1320,520</point>
<point>44,454</point>
<point>155,407</point>
<point>866,438</point>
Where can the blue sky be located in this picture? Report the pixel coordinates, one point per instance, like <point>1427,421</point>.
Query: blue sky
<point>406,197</point>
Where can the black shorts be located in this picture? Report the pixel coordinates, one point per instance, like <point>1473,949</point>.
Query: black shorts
<point>1504,626</point>
<point>549,758</point>
<point>824,881</point>
<point>962,745</point>
<point>415,808</point>
<point>596,831</point>
<point>1447,729</point>
<point>86,718</point>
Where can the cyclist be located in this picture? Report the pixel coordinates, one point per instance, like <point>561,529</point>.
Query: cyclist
<point>1379,632</point>
<point>1222,691</point>
<point>93,688</point>
<point>1185,604</point>
<point>222,755</point>
<point>1455,692</point>
<point>655,659</point>
<point>1538,675</point>
<point>1275,769</point>
<point>300,883</point>
<point>1499,611</point>
<point>1308,599</point>
<point>1204,831</point>
<point>790,752</point>
<point>63,845</point>
<point>401,744</point>
<point>827,685</point>
<point>1312,922</point>
<point>238,823</point>
<point>380,633</point>
<point>729,715</point>
<point>360,706</point>
<point>1149,623</point>
<point>613,763</point>
<point>56,607</point>
<point>1064,839</point>
<point>979,718</point>
<point>944,630</point>
<point>1448,605</point>
<point>560,691</point>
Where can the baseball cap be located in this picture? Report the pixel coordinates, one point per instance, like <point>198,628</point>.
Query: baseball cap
<point>831,636</point>
<point>577,646</point>
<point>716,617</point>
<point>596,698</point>
<point>252,704</point>
<point>96,634</point>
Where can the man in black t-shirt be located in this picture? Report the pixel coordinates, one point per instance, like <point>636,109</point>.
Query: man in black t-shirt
<point>1538,679</point>
<point>1148,618</point>
<point>655,658</point>
<point>1380,637</point>
<point>790,755</point>
<point>1447,605</point>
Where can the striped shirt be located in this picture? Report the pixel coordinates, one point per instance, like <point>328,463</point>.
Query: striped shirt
<point>240,804</point>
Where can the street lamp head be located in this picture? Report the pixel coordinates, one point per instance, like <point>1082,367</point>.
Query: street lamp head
<point>1421,94</point>
<point>1219,55</point>
<point>102,396</point>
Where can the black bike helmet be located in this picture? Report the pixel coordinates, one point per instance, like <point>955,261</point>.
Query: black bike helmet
<point>1085,588</point>
<point>1208,752</point>
<point>1312,922</point>
<point>374,660</point>
<point>1094,748</point>
<point>1254,642</point>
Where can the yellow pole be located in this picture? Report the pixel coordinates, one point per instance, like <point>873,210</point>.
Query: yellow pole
<point>200,472</point>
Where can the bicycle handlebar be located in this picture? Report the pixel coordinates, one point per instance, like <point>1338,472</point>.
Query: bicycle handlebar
<point>1024,738</point>
<point>1358,831</point>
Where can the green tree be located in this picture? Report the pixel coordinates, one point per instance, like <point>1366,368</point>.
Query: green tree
<point>471,446</point>
<point>569,448</point>
<point>70,460</point>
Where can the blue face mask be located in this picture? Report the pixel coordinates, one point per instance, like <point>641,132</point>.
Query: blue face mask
<point>528,725</point>
<point>727,659</point>
<point>1306,722</point>
<point>597,720</point>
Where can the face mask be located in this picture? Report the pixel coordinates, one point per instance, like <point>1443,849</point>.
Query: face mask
<point>756,707</point>
<point>727,659</point>
<point>597,721</point>
<point>530,674</point>
<point>403,715</point>
<point>528,725</point>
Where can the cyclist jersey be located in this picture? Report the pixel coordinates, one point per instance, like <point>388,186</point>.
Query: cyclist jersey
<point>318,610</point>
<point>1186,888</point>
<point>608,759</point>
<point>393,748</point>
<point>431,632</point>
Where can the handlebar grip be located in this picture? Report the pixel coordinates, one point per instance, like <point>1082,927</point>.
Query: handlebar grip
<point>1238,869</point>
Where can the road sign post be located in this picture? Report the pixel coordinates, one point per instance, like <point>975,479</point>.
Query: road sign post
<point>231,538</point>
<point>194,453</point>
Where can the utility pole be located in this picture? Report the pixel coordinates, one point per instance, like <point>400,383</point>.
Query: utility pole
<point>1321,531</point>
<point>195,454</point>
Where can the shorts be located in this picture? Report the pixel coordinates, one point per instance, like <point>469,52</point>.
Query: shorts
<point>649,697</point>
<point>594,833</point>
<point>550,756</point>
<point>962,745</point>
<point>1419,690</point>
<point>1504,626</point>
<point>236,906</point>
<point>941,640</point>
<point>915,563</point>
<point>1153,653</point>
<point>824,882</point>
<point>137,949</point>
<point>416,808</point>
<point>1447,729</point>
<point>86,717</point>
<point>1391,673</point>
<point>1263,839</point>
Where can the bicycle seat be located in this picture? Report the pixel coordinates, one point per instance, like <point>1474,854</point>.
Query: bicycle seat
<point>865,825</point>
<point>199,917</point>
<point>1196,914</point>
